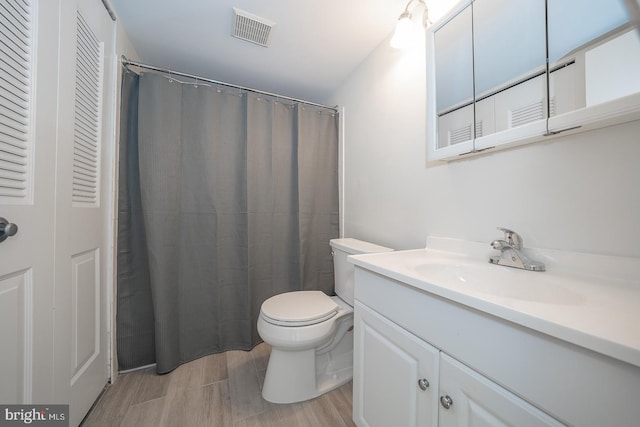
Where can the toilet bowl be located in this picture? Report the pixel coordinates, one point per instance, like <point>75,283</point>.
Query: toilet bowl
<point>311,334</point>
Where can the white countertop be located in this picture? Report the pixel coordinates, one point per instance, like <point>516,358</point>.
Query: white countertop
<point>592,301</point>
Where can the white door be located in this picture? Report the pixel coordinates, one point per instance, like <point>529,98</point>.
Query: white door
<point>85,111</point>
<point>469,399</point>
<point>54,124</point>
<point>395,378</point>
<point>28,90</point>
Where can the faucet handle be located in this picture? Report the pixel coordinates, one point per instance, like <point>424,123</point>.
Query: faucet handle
<point>511,237</point>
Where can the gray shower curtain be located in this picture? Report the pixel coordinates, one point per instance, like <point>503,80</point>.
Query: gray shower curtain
<point>226,198</point>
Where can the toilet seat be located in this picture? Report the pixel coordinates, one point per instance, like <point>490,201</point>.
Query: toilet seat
<point>299,308</point>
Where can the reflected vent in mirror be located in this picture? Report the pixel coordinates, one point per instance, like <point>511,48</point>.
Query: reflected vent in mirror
<point>526,114</point>
<point>459,135</point>
<point>552,106</point>
<point>478,128</point>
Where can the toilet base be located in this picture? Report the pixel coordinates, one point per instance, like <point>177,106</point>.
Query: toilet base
<point>291,376</point>
<point>295,376</point>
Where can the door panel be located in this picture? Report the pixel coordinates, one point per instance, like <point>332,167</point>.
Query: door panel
<point>85,295</point>
<point>477,401</point>
<point>85,114</point>
<point>28,94</point>
<point>389,362</point>
<point>16,336</point>
<point>56,109</point>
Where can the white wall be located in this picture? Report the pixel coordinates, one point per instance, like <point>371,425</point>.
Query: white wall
<point>576,192</point>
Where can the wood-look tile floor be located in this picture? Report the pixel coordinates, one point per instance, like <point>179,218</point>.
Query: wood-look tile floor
<point>217,390</point>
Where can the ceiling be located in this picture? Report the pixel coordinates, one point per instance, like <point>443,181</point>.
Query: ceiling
<point>315,44</point>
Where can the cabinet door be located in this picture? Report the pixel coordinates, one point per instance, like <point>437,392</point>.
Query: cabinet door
<point>391,371</point>
<point>469,399</point>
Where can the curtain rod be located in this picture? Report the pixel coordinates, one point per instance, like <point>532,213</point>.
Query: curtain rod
<point>126,63</point>
<point>110,11</point>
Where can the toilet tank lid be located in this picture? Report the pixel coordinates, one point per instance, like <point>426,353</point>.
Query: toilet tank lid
<point>355,246</point>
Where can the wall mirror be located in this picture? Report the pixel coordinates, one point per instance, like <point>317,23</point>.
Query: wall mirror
<point>489,85</point>
<point>454,94</point>
<point>509,55</point>
<point>594,62</point>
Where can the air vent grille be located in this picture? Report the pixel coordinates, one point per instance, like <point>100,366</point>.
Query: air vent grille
<point>252,28</point>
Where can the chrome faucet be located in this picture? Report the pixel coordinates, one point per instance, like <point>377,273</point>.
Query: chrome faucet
<point>511,254</point>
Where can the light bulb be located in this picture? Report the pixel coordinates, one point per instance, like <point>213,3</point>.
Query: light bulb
<point>403,36</point>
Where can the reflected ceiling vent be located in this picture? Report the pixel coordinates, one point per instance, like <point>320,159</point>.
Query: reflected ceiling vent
<point>252,28</point>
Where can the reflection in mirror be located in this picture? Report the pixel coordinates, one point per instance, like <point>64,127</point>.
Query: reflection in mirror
<point>509,64</point>
<point>594,56</point>
<point>491,84</point>
<point>454,80</point>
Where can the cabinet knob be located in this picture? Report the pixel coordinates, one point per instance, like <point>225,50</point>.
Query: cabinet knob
<point>423,384</point>
<point>446,401</point>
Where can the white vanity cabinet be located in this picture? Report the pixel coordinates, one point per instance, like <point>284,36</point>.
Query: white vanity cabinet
<point>396,375</point>
<point>488,370</point>
<point>400,380</point>
<point>469,399</point>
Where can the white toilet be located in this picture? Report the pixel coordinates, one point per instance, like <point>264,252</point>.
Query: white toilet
<point>311,334</point>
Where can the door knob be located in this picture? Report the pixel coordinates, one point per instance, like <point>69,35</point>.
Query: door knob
<point>7,229</point>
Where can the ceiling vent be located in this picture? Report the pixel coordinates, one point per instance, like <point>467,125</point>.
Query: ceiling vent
<point>252,28</point>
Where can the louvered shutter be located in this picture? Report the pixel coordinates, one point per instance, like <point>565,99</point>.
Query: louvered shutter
<point>15,101</point>
<point>88,113</point>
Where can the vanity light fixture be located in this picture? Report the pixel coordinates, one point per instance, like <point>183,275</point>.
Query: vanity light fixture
<point>404,33</point>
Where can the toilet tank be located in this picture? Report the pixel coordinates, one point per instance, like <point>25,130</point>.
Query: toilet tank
<point>343,269</point>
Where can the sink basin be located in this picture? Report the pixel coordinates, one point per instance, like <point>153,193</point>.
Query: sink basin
<point>498,281</point>
<point>586,299</point>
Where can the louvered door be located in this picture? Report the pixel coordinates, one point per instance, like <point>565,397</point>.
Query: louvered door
<point>85,122</point>
<point>27,168</point>
<point>56,109</point>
